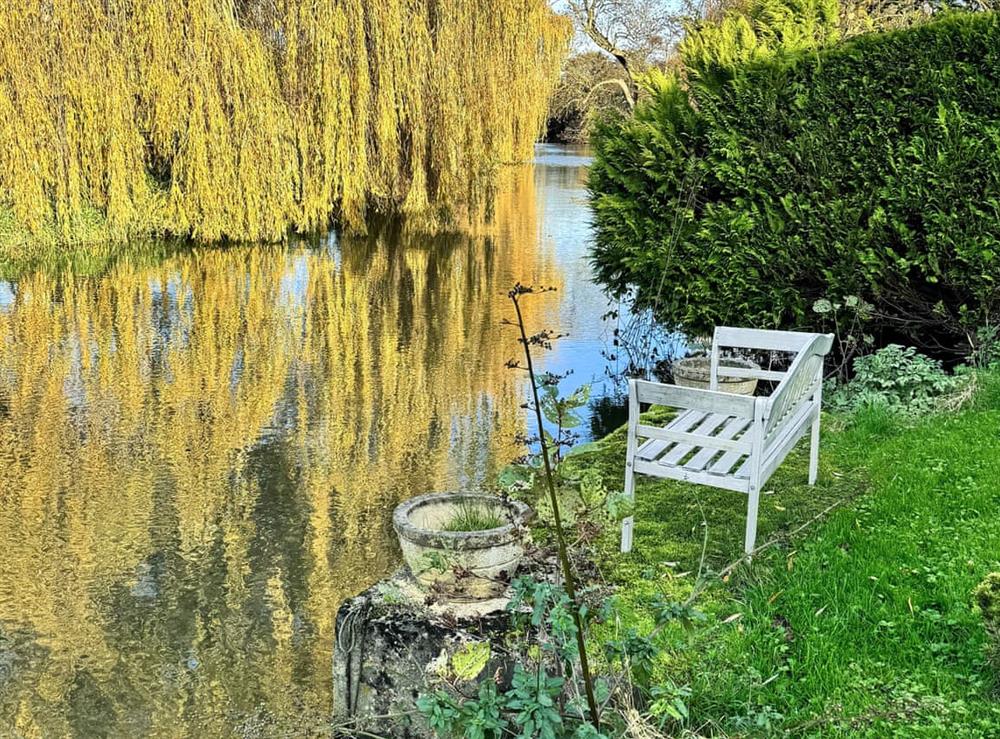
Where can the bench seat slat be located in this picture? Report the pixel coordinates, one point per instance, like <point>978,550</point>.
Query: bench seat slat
<point>689,437</point>
<point>734,425</point>
<point>724,464</point>
<point>705,428</point>
<point>743,472</point>
<point>653,448</point>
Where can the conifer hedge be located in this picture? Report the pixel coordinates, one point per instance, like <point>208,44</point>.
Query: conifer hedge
<point>869,168</point>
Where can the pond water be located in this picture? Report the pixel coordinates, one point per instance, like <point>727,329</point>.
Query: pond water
<point>200,451</point>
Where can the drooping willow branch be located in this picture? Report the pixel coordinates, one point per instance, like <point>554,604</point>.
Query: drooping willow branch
<point>241,120</point>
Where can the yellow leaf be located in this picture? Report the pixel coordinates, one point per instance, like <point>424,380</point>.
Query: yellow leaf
<point>470,660</point>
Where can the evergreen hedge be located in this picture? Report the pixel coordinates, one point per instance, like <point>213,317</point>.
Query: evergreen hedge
<point>870,168</point>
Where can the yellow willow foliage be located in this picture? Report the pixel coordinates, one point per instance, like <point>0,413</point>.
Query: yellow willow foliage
<point>242,118</point>
<point>200,453</point>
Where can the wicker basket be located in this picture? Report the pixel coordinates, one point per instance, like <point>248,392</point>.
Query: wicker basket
<point>695,372</point>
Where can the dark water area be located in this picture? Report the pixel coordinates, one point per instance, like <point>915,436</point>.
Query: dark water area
<point>200,451</point>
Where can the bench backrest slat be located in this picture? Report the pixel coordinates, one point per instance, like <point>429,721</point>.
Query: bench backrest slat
<point>657,394</point>
<point>753,338</point>
<point>801,382</point>
<point>767,340</point>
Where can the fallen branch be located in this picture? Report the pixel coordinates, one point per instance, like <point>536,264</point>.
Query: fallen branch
<point>729,569</point>
<point>350,726</point>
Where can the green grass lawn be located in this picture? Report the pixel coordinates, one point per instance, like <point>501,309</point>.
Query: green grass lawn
<point>860,624</point>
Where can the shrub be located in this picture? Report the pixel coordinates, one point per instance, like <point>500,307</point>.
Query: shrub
<point>987,600</point>
<point>986,354</point>
<point>896,378</point>
<point>773,177</point>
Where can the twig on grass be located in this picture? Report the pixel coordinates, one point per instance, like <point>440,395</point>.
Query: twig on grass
<point>350,726</point>
<point>729,569</point>
<point>957,401</point>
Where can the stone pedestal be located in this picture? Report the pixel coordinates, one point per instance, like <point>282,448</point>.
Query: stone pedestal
<point>391,645</point>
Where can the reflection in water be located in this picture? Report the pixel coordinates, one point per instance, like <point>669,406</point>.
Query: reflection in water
<point>198,458</point>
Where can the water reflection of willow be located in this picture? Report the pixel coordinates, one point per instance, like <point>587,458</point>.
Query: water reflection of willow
<point>198,458</point>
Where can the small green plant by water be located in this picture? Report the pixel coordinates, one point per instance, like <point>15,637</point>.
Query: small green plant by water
<point>559,615</point>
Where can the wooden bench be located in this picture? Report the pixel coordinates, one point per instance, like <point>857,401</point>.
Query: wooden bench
<point>728,441</point>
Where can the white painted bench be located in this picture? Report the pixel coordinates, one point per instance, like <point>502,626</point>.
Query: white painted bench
<point>728,441</point>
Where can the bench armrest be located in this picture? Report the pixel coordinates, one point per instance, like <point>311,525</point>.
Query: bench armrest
<point>707,401</point>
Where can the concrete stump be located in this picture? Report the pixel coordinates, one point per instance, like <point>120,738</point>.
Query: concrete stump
<point>392,645</point>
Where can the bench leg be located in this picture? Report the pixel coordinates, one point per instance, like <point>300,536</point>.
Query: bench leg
<point>630,452</point>
<point>630,497</point>
<point>814,450</point>
<point>627,535</point>
<point>753,499</point>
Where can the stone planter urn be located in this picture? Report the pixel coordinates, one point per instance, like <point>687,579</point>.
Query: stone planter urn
<point>461,565</point>
<point>696,372</point>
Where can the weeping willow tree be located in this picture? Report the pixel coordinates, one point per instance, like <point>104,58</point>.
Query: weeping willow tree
<point>241,119</point>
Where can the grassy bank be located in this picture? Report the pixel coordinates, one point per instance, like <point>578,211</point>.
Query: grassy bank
<point>857,620</point>
<point>91,251</point>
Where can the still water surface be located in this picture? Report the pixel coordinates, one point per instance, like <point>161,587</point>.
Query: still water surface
<point>200,452</point>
